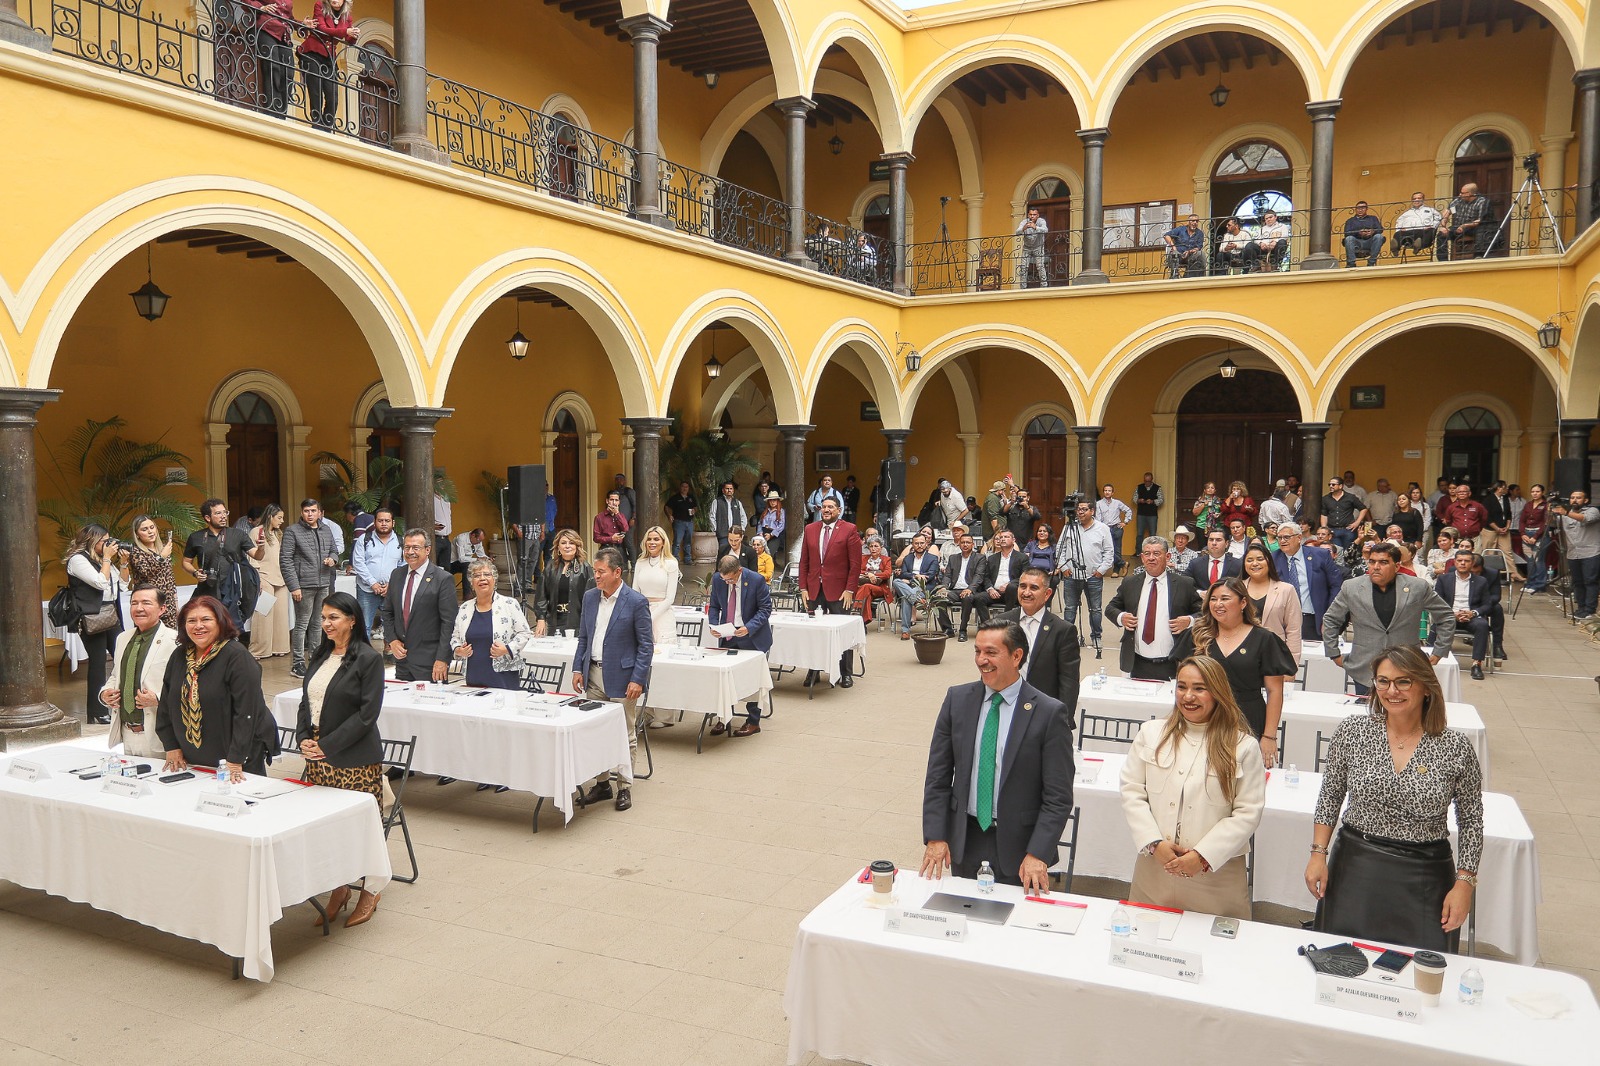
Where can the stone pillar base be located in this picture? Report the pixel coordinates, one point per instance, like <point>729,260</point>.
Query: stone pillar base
<point>1091,277</point>
<point>801,260</point>
<point>65,727</point>
<point>1319,261</point>
<point>655,217</point>
<point>421,148</point>
<point>902,289</point>
<point>15,31</point>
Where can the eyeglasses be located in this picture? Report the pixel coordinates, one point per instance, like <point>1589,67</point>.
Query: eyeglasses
<point>1401,684</point>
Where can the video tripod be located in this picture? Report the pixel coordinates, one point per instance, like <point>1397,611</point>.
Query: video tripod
<point>1529,188</point>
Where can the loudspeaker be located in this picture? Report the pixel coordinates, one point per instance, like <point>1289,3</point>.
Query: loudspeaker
<point>525,494</point>
<point>892,480</point>
<point>1571,475</point>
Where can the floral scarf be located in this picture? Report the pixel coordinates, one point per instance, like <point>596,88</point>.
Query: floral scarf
<point>189,699</point>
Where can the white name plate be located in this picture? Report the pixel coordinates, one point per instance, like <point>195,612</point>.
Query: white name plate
<point>539,710</point>
<point>129,787</point>
<point>1163,962</point>
<point>230,806</point>
<point>935,925</point>
<point>1367,997</point>
<point>27,770</point>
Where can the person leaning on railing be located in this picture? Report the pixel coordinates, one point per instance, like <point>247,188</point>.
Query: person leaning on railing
<point>1186,249</point>
<point>329,25</point>
<point>270,44</point>
<point>1417,228</point>
<point>1032,230</point>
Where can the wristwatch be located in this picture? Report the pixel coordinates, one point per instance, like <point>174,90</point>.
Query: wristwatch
<point>1471,879</point>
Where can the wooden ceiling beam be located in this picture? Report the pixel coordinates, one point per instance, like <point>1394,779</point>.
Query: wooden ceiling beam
<point>213,241</point>
<point>264,252</point>
<point>971,88</point>
<point>1007,72</point>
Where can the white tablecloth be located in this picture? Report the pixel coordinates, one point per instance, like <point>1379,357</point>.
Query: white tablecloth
<point>1305,715</point>
<point>1508,886</point>
<point>710,684</point>
<point>484,738</point>
<point>1009,995</point>
<point>157,861</point>
<point>799,640</point>
<point>1324,675</point>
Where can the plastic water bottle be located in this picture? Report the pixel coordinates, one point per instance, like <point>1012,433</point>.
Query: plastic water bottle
<point>1121,923</point>
<point>224,784</point>
<point>985,879</point>
<point>1291,777</point>
<point>1470,991</point>
<point>1099,680</point>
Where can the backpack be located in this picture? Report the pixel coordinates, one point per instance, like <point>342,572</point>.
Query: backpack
<point>63,610</point>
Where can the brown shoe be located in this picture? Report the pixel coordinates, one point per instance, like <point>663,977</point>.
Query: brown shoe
<point>366,907</point>
<point>718,729</point>
<point>749,729</point>
<point>905,635</point>
<point>336,903</point>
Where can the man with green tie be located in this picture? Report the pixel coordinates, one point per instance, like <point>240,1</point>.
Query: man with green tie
<point>1000,771</point>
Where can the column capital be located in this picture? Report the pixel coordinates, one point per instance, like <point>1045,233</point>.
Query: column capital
<point>1313,429</point>
<point>1094,138</point>
<point>1557,142</point>
<point>896,434</point>
<point>420,419</point>
<point>647,427</point>
<point>974,200</point>
<point>795,432</point>
<point>645,27</point>
<point>969,438</point>
<point>1324,110</point>
<point>1573,426</point>
<point>1587,80</point>
<point>898,159</point>
<point>20,405</point>
<point>795,106</point>
<point>1088,433</point>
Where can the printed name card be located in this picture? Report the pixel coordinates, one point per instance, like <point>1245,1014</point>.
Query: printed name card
<point>1161,961</point>
<point>229,806</point>
<point>935,925</point>
<point>127,787</point>
<point>1367,997</point>
<point>27,770</point>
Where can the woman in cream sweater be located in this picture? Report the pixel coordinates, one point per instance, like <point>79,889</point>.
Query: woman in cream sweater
<point>1193,789</point>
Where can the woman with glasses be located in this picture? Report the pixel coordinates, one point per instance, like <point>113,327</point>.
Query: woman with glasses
<point>1389,873</point>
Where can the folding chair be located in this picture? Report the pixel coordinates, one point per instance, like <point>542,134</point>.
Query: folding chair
<point>785,600</point>
<point>1108,728</point>
<point>693,628</point>
<point>1324,742</point>
<point>397,755</point>
<point>1069,844</point>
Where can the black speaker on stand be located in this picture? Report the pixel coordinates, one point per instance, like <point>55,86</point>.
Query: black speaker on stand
<point>1571,475</point>
<point>522,504</point>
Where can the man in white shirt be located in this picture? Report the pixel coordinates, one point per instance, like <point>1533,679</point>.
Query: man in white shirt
<point>469,548</point>
<point>1113,514</point>
<point>1237,541</point>
<point>374,556</point>
<point>1269,241</point>
<point>1381,504</point>
<point>1417,228</point>
<point>138,674</point>
<point>961,575</point>
<point>1083,573</point>
<point>616,644</point>
<point>952,503</point>
<point>1052,663</point>
<point>823,491</point>
<point>998,586</point>
<point>441,530</point>
<point>1152,608</point>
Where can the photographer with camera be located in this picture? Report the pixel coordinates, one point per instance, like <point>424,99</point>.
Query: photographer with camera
<point>214,554</point>
<point>1579,524</point>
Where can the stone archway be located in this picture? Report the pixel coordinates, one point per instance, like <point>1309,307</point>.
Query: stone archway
<point>292,433</point>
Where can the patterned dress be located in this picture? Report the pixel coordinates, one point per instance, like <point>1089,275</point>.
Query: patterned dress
<point>147,567</point>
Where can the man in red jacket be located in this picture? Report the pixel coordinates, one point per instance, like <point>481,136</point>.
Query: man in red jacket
<point>1464,513</point>
<point>830,570</point>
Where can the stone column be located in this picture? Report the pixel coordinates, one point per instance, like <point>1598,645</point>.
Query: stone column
<point>969,462</point>
<point>1538,440</point>
<point>795,109</point>
<point>1312,436</point>
<point>26,715</point>
<point>1553,168</point>
<point>794,482</point>
<point>897,453</point>
<point>1575,441</point>
<point>898,161</point>
<point>1588,83</point>
<point>1094,213</point>
<point>411,68</point>
<point>647,469</point>
<point>974,205</point>
<point>416,453</point>
<point>13,30</point>
<point>1322,116</point>
<point>645,31</point>
<point>1089,459</point>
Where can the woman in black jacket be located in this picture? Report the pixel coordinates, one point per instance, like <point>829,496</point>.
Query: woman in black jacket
<point>338,726</point>
<point>211,710</point>
<point>559,604</point>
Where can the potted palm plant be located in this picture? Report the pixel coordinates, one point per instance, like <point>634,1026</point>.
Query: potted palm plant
<point>705,460</point>
<point>929,641</point>
<point>385,485</point>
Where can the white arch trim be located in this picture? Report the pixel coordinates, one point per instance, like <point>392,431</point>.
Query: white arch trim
<point>1034,52</point>
<point>1203,367</point>
<point>943,349</point>
<point>1509,422</point>
<point>760,95</point>
<point>964,387</point>
<point>562,104</point>
<point>360,453</point>
<point>874,358</point>
<point>760,329</point>
<point>850,34</point>
<point>735,372</point>
<point>1444,160</point>
<point>870,192</point>
<point>588,458</point>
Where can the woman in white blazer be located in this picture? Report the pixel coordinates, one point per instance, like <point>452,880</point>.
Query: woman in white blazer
<point>1193,789</point>
<point>135,730</point>
<point>490,631</point>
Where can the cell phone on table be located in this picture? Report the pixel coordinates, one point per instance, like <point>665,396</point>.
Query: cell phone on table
<point>172,779</point>
<point>1226,928</point>
<point>1391,961</point>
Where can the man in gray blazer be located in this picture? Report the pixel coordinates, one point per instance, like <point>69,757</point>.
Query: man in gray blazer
<point>1385,608</point>
<point>1002,733</point>
<point>419,612</point>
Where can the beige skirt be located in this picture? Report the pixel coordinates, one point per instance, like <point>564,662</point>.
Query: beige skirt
<point>1225,892</point>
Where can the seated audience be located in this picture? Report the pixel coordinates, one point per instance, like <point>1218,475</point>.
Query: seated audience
<point>1270,241</point>
<point>1467,229</point>
<point>876,572</point>
<point>1186,249</point>
<point>1363,236</point>
<point>1416,229</point>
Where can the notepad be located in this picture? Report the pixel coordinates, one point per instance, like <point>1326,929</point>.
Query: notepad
<point>1049,915</point>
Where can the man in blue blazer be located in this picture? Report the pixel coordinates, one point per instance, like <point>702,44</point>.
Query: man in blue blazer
<point>1472,599</point>
<point>616,642</point>
<point>1314,576</point>
<point>740,598</point>
<point>919,562</point>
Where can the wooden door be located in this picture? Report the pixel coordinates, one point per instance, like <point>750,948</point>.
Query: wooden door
<point>565,483</point>
<point>1255,449</point>
<point>1057,214</point>
<point>253,475</point>
<point>1492,175</point>
<point>1044,475</point>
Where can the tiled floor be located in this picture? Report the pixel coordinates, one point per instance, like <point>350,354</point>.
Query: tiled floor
<point>662,935</point>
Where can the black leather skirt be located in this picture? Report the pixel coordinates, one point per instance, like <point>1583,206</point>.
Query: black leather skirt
<point>1389,890</point>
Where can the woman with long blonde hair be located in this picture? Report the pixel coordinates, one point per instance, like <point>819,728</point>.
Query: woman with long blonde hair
<point>559,603</point>
<point>1193,790</point>
<point>655,577</point>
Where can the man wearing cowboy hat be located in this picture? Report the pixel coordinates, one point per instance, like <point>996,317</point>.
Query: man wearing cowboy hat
<point>1181,554</point>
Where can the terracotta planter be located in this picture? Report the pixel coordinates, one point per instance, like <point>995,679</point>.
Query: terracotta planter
<point>930,647</point>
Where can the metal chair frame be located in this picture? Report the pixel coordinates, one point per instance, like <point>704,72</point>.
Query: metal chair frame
<point>1108,728</point>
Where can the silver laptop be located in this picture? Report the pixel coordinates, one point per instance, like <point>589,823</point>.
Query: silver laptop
<point>989,911</point>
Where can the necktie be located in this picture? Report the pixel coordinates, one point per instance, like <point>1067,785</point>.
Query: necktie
<point>827,534</point>
<point>1294,572</point>
<point>986,754</point>
<point>1149,634</point>
<point>1215,563</point>
<point>733,605</point>
<point>405,604</point>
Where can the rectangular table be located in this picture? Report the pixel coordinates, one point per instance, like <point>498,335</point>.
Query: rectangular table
<point>1508,889</point>
<point>799,641</point>
<point>1324,675</point>
<point>159,862</point>
<point>1305,714</point>
<point>1007,995</point>
<point>486,739</point>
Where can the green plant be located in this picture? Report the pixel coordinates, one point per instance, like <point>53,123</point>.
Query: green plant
<point>940,597</point>
<point>385,485</point>
<point>103,478</point>
<point>491,485</point>
<point>705,460</point>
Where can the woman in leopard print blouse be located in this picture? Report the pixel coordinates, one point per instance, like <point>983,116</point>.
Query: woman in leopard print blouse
<point>1390,874</point>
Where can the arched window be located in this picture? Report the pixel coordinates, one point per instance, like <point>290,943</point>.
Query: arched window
<point>253,467</point>
<point>1249,180</point>
<point>1254,160</point>
<point>1255,205</point>
<point>1048,189</point>
<point>249,409</point>
<point>1484,142</point>
<point>1473,418</point>
<point>1047,426</point>
<point>1472,446</point>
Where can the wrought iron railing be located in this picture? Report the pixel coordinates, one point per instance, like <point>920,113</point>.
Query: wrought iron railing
<point>1513,225</point>
<point>846,252</point>
<point>723,212</point>
<point>504,139</point>
<point>222,54</point>
<point>988,264</point>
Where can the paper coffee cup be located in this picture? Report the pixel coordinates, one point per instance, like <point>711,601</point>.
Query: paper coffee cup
<point>882,876</point>
<point>1430,968</point>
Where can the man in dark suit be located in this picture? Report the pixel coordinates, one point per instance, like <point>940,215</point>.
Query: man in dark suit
<point>1000,770</point>
<point>1216,559</point>
<point>1472,599</point>
<point>1313,574</point>
<point>616,642</point>
<point>830,573</point>
<point>960,576</point>
<point>740,598</point>
<point>919,562</point>
<point>419,612</point>
<point>1052,641</point>
<point>1152,608</point>
<point>997,586</point>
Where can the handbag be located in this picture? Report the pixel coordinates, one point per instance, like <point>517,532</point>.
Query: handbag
<point>101,621</point>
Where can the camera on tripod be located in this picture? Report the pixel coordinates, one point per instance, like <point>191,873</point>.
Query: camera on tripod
<point>1069,502</point>
<point>1530,163</point>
